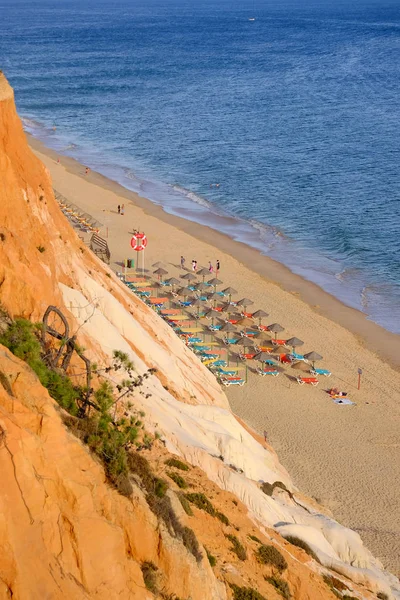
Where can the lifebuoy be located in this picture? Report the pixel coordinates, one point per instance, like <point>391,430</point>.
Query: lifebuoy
<point>139,241</point>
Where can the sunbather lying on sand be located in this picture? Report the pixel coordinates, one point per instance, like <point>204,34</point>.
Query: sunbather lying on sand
<point>335,393</point>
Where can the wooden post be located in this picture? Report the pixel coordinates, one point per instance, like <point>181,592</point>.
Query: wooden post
<point>359,378</point>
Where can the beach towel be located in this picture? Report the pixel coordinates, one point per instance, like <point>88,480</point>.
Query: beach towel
<point>343,401</point>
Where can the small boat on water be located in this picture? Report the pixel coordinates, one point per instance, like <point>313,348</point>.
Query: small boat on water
<point>252,19</point>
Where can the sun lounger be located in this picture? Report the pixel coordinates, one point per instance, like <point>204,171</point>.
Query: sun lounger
<point>311,380</point>
<point>263,327</point>
<point>285,359</point>
<point>320,372</point>
<point>264,372</point>
<point>228,382</point>
<point>185,303</point>
<point>246,314</point>
<point>266,349</point>
<point>298,357</point>
<point>194,340</point>
<point>247,355</point>
<point>248,333</point>
<point>278,342</point>
<point>214,327</point>
<point>158,300</point>
<point>229,341</point>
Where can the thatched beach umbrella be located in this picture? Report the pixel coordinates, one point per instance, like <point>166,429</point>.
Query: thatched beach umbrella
<point>245,302</point>
<point>214,297</point>
<point>212,314</point>
<point>160,272</point>
<point>263,357</point>
<point>203,272</point>
<point>229,308</point>
<point>214,281</point>
<point>198,304</point>
<point>189,277</point>
<point>294,342</point>
<point>202,286</point>
<point>173,281</point>
<point>275,328</point>
<point>259,314</point>
<point>229,291</point>
<point>245,342</point>
<point>158,264</point>
<point>313,357</point>
<point>185,292</point>
<point>228,327</point>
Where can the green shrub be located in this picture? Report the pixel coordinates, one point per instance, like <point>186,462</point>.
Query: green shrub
<point>20,338</point>
<point>211,559</point>
<point>41,249</point>
<point>245,593</point>
<point>301,544</point>
<point>280,585</point>
<point>160,487</point>
<point>268,488</point>
<point>178,464</point>
<point>255,539</point>
<point>382,596</point>
<point>160,504</point>
<point>237,547</point>
<point>180,482</point>
<point>269,555</point>
<point>223,518</point>
<point>202,502</point>
<point>185,504</point>
<point>149,571</point>
<point>190,542</point>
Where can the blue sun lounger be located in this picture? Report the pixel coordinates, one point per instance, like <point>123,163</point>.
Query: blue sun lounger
<point>320,372</point>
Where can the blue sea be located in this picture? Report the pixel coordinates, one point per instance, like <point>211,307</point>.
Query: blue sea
<point>295,115</point>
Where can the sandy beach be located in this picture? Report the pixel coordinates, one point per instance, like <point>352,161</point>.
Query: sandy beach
<point>347,457</point>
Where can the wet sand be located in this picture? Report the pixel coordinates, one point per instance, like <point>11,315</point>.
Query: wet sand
<point>346,457</point>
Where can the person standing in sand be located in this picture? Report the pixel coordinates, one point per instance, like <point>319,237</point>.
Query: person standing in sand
<point>183,262</point>
<point>87,171</point>
<point>217,266</point>
<point>119,209</point>
<point>123,209</point>
<point>210,267</point>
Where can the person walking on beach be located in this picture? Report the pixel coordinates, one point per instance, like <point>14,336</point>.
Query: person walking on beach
<point>193,265</point>
<point>183,262</point>
<point>87,171</point>
<point>123,209</point>
<point>217,267</point>
<point>119,209</point>
<point>210,267</point>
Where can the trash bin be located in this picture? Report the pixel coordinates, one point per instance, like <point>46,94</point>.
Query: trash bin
<point>129,263</point>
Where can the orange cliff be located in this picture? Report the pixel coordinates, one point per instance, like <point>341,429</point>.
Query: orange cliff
<point>64,532</point>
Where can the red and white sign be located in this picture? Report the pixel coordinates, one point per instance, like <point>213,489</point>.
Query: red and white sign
<point>139,241</point>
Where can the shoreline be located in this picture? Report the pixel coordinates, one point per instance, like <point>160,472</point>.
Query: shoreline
<point>339,456</point>
<point>384,343</point>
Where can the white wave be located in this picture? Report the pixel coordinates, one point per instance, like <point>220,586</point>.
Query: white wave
<point>194,197</point>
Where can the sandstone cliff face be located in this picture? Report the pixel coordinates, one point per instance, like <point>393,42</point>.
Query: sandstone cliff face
<point>64,533</point>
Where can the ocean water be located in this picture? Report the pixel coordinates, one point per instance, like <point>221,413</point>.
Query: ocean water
<point>295,114</point>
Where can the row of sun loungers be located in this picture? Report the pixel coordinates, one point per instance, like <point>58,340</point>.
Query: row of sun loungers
<point>210,355</point>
